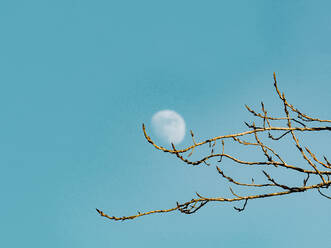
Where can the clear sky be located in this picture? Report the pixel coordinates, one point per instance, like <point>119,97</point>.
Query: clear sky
<point>78,78</point>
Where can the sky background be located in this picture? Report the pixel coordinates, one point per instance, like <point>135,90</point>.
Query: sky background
<point>78,78</point>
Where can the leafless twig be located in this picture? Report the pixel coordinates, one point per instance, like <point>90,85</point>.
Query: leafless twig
<point>285,125</point>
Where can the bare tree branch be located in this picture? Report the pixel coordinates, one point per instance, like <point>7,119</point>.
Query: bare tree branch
<point>285,125</point>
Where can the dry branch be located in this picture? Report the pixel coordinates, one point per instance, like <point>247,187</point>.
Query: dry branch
<point>300,124</point>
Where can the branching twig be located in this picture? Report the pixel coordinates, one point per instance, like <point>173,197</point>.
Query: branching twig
<point>272,158</point>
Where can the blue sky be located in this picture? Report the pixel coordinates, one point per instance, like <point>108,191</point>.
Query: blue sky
<point>78,78</point>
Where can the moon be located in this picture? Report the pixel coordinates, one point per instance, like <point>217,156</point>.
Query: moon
<point>169,126</point>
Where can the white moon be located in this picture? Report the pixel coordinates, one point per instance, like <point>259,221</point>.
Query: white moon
<point>169,126</point>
